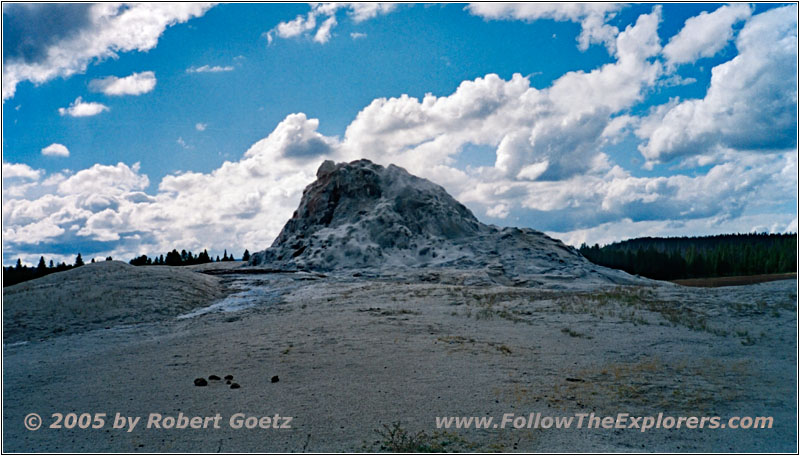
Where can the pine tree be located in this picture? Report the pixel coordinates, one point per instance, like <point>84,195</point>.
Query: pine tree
<point>246,255</point>
<point>173,258</point>
<point>79,260</point>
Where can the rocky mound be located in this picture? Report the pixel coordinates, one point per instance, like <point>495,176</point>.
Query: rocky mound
<point>361,215</point>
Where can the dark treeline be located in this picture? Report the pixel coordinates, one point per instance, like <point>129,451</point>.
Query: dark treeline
<point>20,273</point>
<point>184,258</point>
<point>696,257</point>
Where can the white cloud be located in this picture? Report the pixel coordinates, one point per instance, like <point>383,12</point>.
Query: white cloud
<point>322,17</point>
<point>294,27</point>
<point>80,108</point>
<point>56,150</point>
<point>676,80</point>
<point>357,35</point>
<point>593,17</point>
<point>209,69</point>
<point>222,209</point>
<point>361,12</point>
<point>59,208</point>
<point>706,34</point>
<point>296,137</point>
<point>561,129</point>
<point>616,231</point>
<point>135,84</point>
<point>181,142</point>
<point>550,170</point>
<point>20,170</point>
<point>751,102</point>
<point>106,29</point>
<point>104,180</point>
<point>323,34</point>
<point>200,126</point>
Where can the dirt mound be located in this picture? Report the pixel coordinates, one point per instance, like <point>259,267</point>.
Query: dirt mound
<point>101,295</point>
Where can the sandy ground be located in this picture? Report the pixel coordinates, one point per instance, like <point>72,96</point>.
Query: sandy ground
<point>353,355</point>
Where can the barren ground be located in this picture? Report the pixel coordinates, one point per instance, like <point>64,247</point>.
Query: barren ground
<point>356,354</point>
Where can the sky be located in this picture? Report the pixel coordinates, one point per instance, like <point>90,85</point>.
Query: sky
<point>134,129</point>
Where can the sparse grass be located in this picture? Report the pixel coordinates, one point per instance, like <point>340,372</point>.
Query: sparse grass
<point>696,385</point>
<point>389,312</point>
<point>574,333</point>
<point>455,339</point>
<point>396,439</point>
<point>486,313</point>
<point>459,343</point>
<point>490,306</point>
<point>632,304</point>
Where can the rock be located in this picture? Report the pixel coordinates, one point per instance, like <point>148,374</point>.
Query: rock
<point>274,379</point>
<point>363,216</point>
<point>227,382</point>
<point>235,386</point>
<point>325,168</point>
<point>213,377</point>
<point>200,382</point>
<point>229,377</point>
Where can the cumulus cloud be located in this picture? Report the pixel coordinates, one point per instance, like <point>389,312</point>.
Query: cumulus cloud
<point>706,34</point>
<point>549,134</point>
<point>322,17</point>
<point>199,126</point>
<point>48,41</point>
<point>80,108</point>
<point>546,167</point>
<point>593,17</point>
<point>56,150</point>
<point>209,69</point>
<point>296,137</point>
<point>135,84</point>
<point>105,206</point>
<point>751,102</point>
<point>20,170</point>
<point>68,202</point>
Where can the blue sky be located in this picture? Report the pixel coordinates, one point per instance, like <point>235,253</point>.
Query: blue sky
<point>148,127</point>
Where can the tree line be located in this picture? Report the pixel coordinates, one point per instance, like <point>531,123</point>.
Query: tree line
<point>184,258</point>
<point>20,273</point>
<point>697,257</point>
